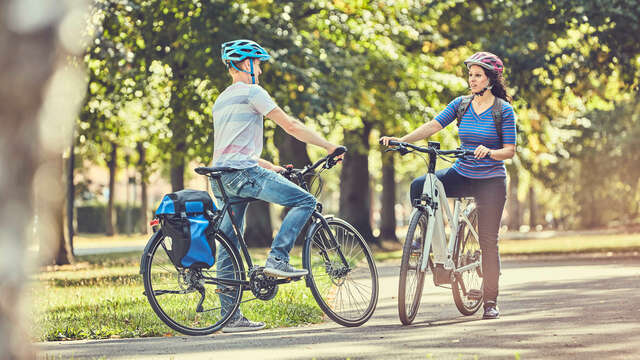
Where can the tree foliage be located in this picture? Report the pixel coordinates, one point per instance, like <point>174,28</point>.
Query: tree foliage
<point>357,69</point>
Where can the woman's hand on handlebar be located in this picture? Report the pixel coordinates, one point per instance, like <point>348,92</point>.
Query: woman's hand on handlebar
<point>481,151</point>
<point>385,140</point>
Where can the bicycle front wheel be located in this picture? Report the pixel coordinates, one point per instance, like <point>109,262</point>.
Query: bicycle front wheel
<point>190,301</point>
<point>411,279</point>
<point>467,285</point>
<point>346,290</point>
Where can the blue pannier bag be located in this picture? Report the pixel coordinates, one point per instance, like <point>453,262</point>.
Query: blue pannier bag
<point>185,216</point>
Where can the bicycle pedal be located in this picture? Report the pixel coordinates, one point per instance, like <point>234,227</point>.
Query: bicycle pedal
<point>474,294</point>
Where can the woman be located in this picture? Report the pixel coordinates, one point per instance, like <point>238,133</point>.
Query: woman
<point>483,176</point>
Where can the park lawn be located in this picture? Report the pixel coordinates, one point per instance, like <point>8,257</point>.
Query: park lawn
<point>600,243</point>
<point>101,297</point>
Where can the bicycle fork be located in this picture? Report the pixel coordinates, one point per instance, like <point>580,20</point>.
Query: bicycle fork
<point>428,238</point>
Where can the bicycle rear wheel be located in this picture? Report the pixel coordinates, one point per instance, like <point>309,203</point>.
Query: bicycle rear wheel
<point>467,286</point>
<point>411,280</point>
<point>189,300</point>
<point>346,292</point>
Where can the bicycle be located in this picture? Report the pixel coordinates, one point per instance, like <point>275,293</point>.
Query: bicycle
<point>461,256</point>
<point>343,277</point>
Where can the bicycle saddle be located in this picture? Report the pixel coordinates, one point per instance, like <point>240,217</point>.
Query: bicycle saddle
<point>213,171</point>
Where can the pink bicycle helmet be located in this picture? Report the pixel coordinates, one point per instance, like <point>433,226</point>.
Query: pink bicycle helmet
<point>487,60</point>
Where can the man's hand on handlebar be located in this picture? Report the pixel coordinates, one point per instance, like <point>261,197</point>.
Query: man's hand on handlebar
<point>332,149</point>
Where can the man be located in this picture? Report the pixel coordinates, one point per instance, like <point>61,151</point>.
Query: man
<point>238,116</point>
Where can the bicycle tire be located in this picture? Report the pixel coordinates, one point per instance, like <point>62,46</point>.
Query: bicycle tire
<point>331,284</point>
<point>174,293</point>
<point>411,280</point>
<point>467,251</point>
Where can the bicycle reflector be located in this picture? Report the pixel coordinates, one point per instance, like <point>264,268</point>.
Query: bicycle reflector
<point>154,222</point>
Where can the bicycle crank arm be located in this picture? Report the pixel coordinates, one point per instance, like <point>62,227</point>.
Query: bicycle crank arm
<point>288,280</point>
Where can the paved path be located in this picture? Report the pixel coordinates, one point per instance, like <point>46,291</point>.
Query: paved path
<point>551,309</point>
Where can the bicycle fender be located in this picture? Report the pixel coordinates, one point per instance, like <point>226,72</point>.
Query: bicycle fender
<point>145,253</point>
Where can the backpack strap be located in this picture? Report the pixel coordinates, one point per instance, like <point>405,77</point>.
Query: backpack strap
<point>496,113</point>
<point>463,106</point>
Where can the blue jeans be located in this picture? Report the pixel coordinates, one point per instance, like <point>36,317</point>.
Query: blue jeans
<point>262,184</point>
<point>490,195</point>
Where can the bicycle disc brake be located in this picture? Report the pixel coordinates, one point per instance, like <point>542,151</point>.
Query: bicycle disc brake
<point>262,286</point>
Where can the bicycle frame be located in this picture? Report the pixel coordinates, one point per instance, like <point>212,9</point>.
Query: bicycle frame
<point>434,202</point>
<point>316,218</point>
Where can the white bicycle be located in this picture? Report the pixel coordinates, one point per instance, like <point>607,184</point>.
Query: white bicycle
<point>460,257</point>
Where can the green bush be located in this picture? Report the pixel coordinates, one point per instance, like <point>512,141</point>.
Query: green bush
<point>91,218</point>
<point>127,218</point>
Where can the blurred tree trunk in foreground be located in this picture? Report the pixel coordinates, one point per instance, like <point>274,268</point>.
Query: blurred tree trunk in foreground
<point>32,103</point>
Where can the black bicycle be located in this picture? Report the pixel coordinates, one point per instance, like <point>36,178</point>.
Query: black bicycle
<point>342,273</point>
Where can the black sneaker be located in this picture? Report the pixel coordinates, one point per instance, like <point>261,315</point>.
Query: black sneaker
<point>441,275</point>
<point>490,310</point>
<point>280,268</point>
<point>242,324</point>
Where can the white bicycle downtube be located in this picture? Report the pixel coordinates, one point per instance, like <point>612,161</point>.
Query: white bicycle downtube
<point>427,239</point>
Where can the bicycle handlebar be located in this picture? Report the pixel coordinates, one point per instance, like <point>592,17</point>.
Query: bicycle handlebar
<point>329,161</point>
<point>402,148</point>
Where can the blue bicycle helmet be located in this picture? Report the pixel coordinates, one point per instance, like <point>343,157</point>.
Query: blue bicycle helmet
<point>238,50</point>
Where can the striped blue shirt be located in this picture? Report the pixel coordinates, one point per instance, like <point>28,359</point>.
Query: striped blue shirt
<point>479,129</point>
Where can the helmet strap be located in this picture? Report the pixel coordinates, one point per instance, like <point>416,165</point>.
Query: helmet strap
<point>481,92</point>
<point>253,77</point>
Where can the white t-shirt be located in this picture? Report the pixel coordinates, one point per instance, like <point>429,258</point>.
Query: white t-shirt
<point>238,116</point>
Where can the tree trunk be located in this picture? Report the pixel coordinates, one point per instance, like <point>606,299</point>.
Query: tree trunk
<point>258,230</point>
<point>27,56</point>
<point>513,204</point>
<point>387,211</point>
<point>291,150</point>
<point>110,231</point>
<point>179,127</point>
<point>294,152</point>
<point>63,254</point>
<point>533,209</point>
<point>177,170</point>
<point>71,193</point>
<point>144,200</point>
<point>354,182</point>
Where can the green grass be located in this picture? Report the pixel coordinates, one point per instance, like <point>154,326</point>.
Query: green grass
<point>101,297</point>
<point>556,245</point>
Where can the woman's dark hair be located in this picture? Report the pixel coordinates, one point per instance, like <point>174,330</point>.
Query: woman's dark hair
<point>499,88</point>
